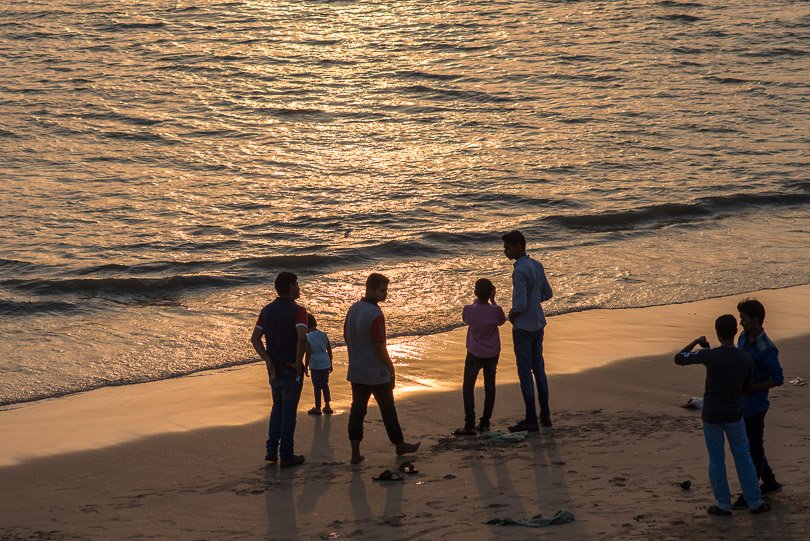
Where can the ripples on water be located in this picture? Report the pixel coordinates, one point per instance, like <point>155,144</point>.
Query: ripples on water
<point>162,161</point>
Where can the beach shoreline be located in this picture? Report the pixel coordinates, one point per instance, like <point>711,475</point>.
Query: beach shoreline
<point>182,458</point>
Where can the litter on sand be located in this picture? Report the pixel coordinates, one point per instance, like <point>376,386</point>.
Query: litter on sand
<point>799,381</point>
<point>503,437</point>
<point>694,403</point>
<point>538,521</point>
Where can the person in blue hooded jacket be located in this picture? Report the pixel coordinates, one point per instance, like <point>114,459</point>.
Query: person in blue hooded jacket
<point>767,374</point>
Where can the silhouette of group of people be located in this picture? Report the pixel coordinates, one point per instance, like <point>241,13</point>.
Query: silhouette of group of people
<point>735,400</point>
<point>287,339</point>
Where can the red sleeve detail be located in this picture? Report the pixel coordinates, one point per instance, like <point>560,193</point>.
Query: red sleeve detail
<point>378,329</point>
<point>301,316</point>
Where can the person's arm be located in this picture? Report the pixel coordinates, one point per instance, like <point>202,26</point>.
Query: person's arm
<point>749,374</point>
<point>301,349</point>
<point>378,340</point>
<point>545,288</point>
<point>256,340</point>
<point>329,351</point>
<point>775,374</point>
<point>307,359</point>
<point>685,356</point>
<point>381,349</point>
<point>519,294</point>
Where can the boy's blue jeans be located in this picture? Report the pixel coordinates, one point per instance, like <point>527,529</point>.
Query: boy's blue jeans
<point>531,369</point>
<point>320,383</point>
<point>286,393</point>
<point>715,435</point>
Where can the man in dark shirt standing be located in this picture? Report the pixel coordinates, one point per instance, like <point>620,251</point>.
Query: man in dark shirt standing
<point>283,323</point>
<point>728,376</point>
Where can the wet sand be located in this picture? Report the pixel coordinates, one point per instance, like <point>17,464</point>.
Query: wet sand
<point>184,458</point>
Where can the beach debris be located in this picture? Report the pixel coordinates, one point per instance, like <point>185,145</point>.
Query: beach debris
<point>449,476</point>
<point>538,521</point>
<point>686,485</point>
<point>389,475</point>
<point>694,403</point>
<point>330,535</point>
<point>798,381</point>
<point>503,437</point>
<point>333,462</point>
<point>408,467</point>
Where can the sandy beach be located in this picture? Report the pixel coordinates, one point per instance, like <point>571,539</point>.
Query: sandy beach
<point>183,458</point>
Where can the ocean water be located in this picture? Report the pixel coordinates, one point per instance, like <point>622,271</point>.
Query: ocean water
<point>161,162</point>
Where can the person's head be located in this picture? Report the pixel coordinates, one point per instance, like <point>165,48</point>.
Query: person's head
<point>726,327</point>
<point>312,323</point>
<point>377,287</point>
<point>514,244</point>
<point>752,316</point>
<point>287,285</point>
<point>483,289</point>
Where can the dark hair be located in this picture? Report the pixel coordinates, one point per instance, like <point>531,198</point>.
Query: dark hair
<point>284,281</point>
<point>752,308</point>
<point>311,321</point>
<point>726,327</point>
<point>483,289</point>
<point>514,238</point>
<point>375,280</point>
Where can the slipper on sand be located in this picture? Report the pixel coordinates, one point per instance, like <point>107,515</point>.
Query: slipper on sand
<point>408,467</point>
<point>389,475</point>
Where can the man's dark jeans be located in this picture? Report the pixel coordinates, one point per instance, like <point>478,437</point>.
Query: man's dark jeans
<point>531,370</point>
<point>286,393</point>
<point>473,365</point>
<point>755,429</point>
<point>384,395</point>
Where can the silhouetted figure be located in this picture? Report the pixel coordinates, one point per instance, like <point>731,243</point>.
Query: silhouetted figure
<point>530,288</point>
<point>483,317</point>
<point>767,374</point>
<point>283,323</point>
<point>318,366</point>
<point>371,371</point>
<point>728,376</point>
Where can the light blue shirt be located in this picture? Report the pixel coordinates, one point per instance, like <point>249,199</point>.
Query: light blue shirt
<point>530,287</point>
<point>319,355</point>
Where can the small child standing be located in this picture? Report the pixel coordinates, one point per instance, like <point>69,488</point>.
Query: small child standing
<point>483,317</point>
<point>318,365</point>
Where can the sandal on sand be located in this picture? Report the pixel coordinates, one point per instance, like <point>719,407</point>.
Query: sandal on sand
<point>408,467</point>
<point>389,475</point>
<point>466,431</point>
<point>714,510</point>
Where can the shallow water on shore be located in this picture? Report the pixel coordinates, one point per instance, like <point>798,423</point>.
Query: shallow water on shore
<point>161,162</point>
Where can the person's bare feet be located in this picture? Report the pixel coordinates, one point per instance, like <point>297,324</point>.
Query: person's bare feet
<point>357,459</point>
<point>405,448</point>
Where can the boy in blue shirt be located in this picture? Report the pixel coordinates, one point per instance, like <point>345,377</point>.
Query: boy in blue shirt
<point>767,374</point>
<point>318,365</point>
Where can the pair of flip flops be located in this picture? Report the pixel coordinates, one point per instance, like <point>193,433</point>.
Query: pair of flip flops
<point>391,475</point>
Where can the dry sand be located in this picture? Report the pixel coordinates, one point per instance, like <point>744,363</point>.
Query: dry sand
<point>183,458</point>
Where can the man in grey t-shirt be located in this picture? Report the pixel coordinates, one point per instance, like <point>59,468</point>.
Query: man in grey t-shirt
<point>371,371</point>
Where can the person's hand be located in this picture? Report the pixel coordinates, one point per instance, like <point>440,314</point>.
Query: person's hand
<point>492,297</point>
<point>393,380</point>
<point>299,369</point>
<point>271,375</point>
<point>702,342</point>
<point>512,316</point>
<point>330,369</point>
<point>306,371</point>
